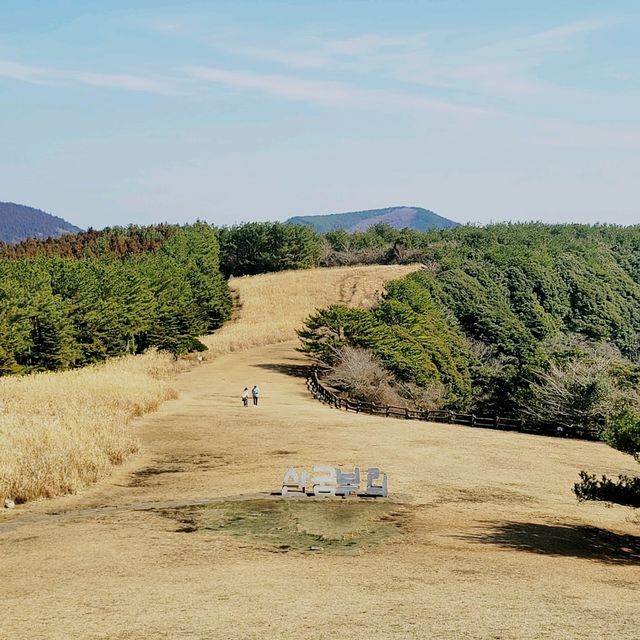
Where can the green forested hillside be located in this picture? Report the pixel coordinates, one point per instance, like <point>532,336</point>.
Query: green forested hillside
<point>60,312</point>
<point>111,242</point>
<point>80,298</point>
<point>525,319</point>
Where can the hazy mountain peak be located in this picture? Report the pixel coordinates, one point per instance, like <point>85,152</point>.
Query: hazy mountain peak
<point>397,217</point>
<point>18,222</point>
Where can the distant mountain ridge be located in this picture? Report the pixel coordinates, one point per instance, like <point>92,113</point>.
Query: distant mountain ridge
<point>398,217</point>
<point>18,222</point>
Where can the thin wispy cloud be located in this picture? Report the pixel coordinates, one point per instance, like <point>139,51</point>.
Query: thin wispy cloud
<point>506,80</point>
<point>507,68</point>
<point>119,81</point>
<point>51,77</point>
<point>373,43</point>
<point>384,72</point>
<point>315,92</point>
<point>558,38</point>
<point>503,69</point>
<point>288,58</point>
<point>324,93</point>
<point>24,73</point>
<point>361,52</point>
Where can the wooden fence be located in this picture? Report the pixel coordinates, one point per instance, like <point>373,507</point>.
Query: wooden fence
<point>320,392</point>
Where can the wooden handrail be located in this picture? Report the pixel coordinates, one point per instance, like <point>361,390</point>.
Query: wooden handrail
<point>320,392</point>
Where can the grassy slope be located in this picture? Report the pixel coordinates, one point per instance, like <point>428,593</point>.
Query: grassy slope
<point>481,538</point>
<point>63,431</point>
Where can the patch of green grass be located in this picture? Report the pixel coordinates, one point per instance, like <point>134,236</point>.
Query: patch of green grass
<point>334,526</point>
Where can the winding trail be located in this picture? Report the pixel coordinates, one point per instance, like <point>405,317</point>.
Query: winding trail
<point>492,543</point>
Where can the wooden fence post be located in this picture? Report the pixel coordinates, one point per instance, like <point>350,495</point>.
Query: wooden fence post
<point>319,392</point>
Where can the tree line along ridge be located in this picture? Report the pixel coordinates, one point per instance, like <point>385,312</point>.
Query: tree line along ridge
<point>59,310</point>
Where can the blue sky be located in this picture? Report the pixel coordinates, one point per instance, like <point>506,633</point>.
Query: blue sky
<point>117,112</point>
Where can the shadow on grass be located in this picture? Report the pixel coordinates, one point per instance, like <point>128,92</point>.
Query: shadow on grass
<point>143,476</point>
<point>578,541</point>
<point>295,370</point>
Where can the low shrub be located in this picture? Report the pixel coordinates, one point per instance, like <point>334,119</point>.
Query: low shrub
<point>363,377</point>
<point>625,490</point>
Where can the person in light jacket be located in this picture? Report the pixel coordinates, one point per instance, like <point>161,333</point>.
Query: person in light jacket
<point>245,397</point>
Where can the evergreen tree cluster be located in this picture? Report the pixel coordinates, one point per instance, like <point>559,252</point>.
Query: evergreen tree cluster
<point>58,312</point>
<point>265,247</point>
<point>378,236</point>
<point>116,242</point>
<point>510,318</point>
<point>80,298</point>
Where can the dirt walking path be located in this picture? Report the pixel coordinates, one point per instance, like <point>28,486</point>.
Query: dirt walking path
<point>480,538</point>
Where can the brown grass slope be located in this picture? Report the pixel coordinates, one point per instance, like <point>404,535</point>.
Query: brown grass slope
<point>481,537</point>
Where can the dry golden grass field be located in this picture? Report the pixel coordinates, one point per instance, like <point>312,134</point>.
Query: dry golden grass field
<point>481,536</point>
<point>61,432</point>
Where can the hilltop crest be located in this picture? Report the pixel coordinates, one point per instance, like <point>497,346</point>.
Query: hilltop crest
<point>398,217</point>
<point>18,222</point>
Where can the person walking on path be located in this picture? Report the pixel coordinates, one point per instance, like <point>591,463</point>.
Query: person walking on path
<point>255,392</point>
<point>245,397</point>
